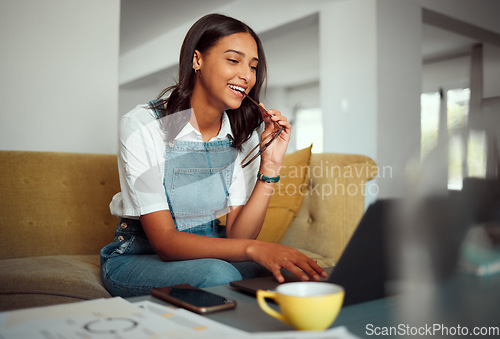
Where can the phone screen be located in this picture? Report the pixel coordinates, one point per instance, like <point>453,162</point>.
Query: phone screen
<point>197,297</point>
<point>193,298</point>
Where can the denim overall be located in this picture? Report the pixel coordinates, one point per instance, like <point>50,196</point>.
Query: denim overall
<point>197,180</point>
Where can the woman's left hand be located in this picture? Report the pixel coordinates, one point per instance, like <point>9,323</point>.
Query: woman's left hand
<point>273,155</point>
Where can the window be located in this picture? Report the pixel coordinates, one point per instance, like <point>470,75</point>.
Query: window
<point>309,129</point>
<point>466,148</point>
<point>429,105</point>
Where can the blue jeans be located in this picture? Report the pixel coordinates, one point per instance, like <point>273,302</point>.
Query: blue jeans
<point>130,267</point>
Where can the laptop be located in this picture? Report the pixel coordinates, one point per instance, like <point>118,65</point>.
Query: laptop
<point>361,270</point>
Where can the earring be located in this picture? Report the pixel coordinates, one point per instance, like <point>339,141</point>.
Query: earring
<point>197,72</point>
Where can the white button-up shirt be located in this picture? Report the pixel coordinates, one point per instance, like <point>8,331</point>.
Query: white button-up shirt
<point>141,164</point>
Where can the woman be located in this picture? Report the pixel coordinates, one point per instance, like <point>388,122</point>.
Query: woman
<point>179,164</point>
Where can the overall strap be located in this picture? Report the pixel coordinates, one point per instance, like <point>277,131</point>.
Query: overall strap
<point>153,105</point>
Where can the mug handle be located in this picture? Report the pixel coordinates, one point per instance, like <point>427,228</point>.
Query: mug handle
<point>261,295</point>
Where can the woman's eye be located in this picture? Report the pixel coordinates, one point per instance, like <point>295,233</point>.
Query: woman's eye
<point>233,61</point>
<point>254,68</point>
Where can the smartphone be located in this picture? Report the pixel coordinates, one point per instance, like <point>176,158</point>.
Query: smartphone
<point>193,299</point>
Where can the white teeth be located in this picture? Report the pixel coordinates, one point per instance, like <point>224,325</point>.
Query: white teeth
<point>237,88</point>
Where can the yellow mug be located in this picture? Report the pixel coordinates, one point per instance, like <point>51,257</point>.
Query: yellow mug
<point>307,306</point>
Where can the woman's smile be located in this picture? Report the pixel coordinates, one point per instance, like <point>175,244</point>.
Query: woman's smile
<point>237,90</point>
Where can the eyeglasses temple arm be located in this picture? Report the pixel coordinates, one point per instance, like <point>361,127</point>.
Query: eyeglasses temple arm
<point>262,108</point>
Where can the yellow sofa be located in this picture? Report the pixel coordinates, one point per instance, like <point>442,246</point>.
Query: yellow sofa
<point>54,219</point>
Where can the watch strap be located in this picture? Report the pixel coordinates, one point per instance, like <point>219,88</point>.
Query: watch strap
<point>267,179</point>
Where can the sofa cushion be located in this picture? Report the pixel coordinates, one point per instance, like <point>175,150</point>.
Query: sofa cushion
<point>321,260</point>
<point>37,281</point>
<point>333,205</point>
<point>56,203</point>
<point>288,195</point>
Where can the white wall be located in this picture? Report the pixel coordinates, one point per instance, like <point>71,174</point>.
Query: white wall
<point>305,96</point>
<point>59,75</point>
<point>292,53</point>
<point>452,73</point>
<point>491,58</point>
<point>370,80</point>
<point>482,13</point>
<point>399,83</point>
<point>143,90</point>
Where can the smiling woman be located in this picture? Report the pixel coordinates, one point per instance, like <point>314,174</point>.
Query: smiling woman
<point>231,64</point>
<point>209,31</point>
<point>179,163</point>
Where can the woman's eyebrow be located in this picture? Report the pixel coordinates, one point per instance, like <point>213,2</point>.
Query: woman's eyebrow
<point>240,53</point>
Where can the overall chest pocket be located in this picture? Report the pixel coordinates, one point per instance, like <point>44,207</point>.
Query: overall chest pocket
<point>200,191</point>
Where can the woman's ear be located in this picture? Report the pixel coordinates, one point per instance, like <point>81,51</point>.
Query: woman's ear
<point>196,60</point>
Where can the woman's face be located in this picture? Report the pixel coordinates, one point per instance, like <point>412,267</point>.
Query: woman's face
<point>231,64</point>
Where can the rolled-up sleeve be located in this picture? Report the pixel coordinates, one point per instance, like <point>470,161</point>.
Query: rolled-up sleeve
<point>141,162</point>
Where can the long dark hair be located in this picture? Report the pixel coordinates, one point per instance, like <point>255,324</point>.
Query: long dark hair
<point>203,35</point>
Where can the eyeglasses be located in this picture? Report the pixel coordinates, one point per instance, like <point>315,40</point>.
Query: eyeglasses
<point>264,143</point>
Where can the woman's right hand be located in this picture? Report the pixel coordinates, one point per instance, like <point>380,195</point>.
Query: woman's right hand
<point>276,256</point>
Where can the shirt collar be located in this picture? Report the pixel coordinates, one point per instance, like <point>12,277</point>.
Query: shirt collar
<point>189,132</point>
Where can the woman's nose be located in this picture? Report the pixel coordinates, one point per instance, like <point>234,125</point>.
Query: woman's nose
<point>245,74</point>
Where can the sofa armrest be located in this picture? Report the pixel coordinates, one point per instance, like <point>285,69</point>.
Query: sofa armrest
<point>333,205</point>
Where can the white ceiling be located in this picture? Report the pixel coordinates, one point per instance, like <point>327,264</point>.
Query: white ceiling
<point>436,41</point>
<point>146,19</point>
<point>143,20</point>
